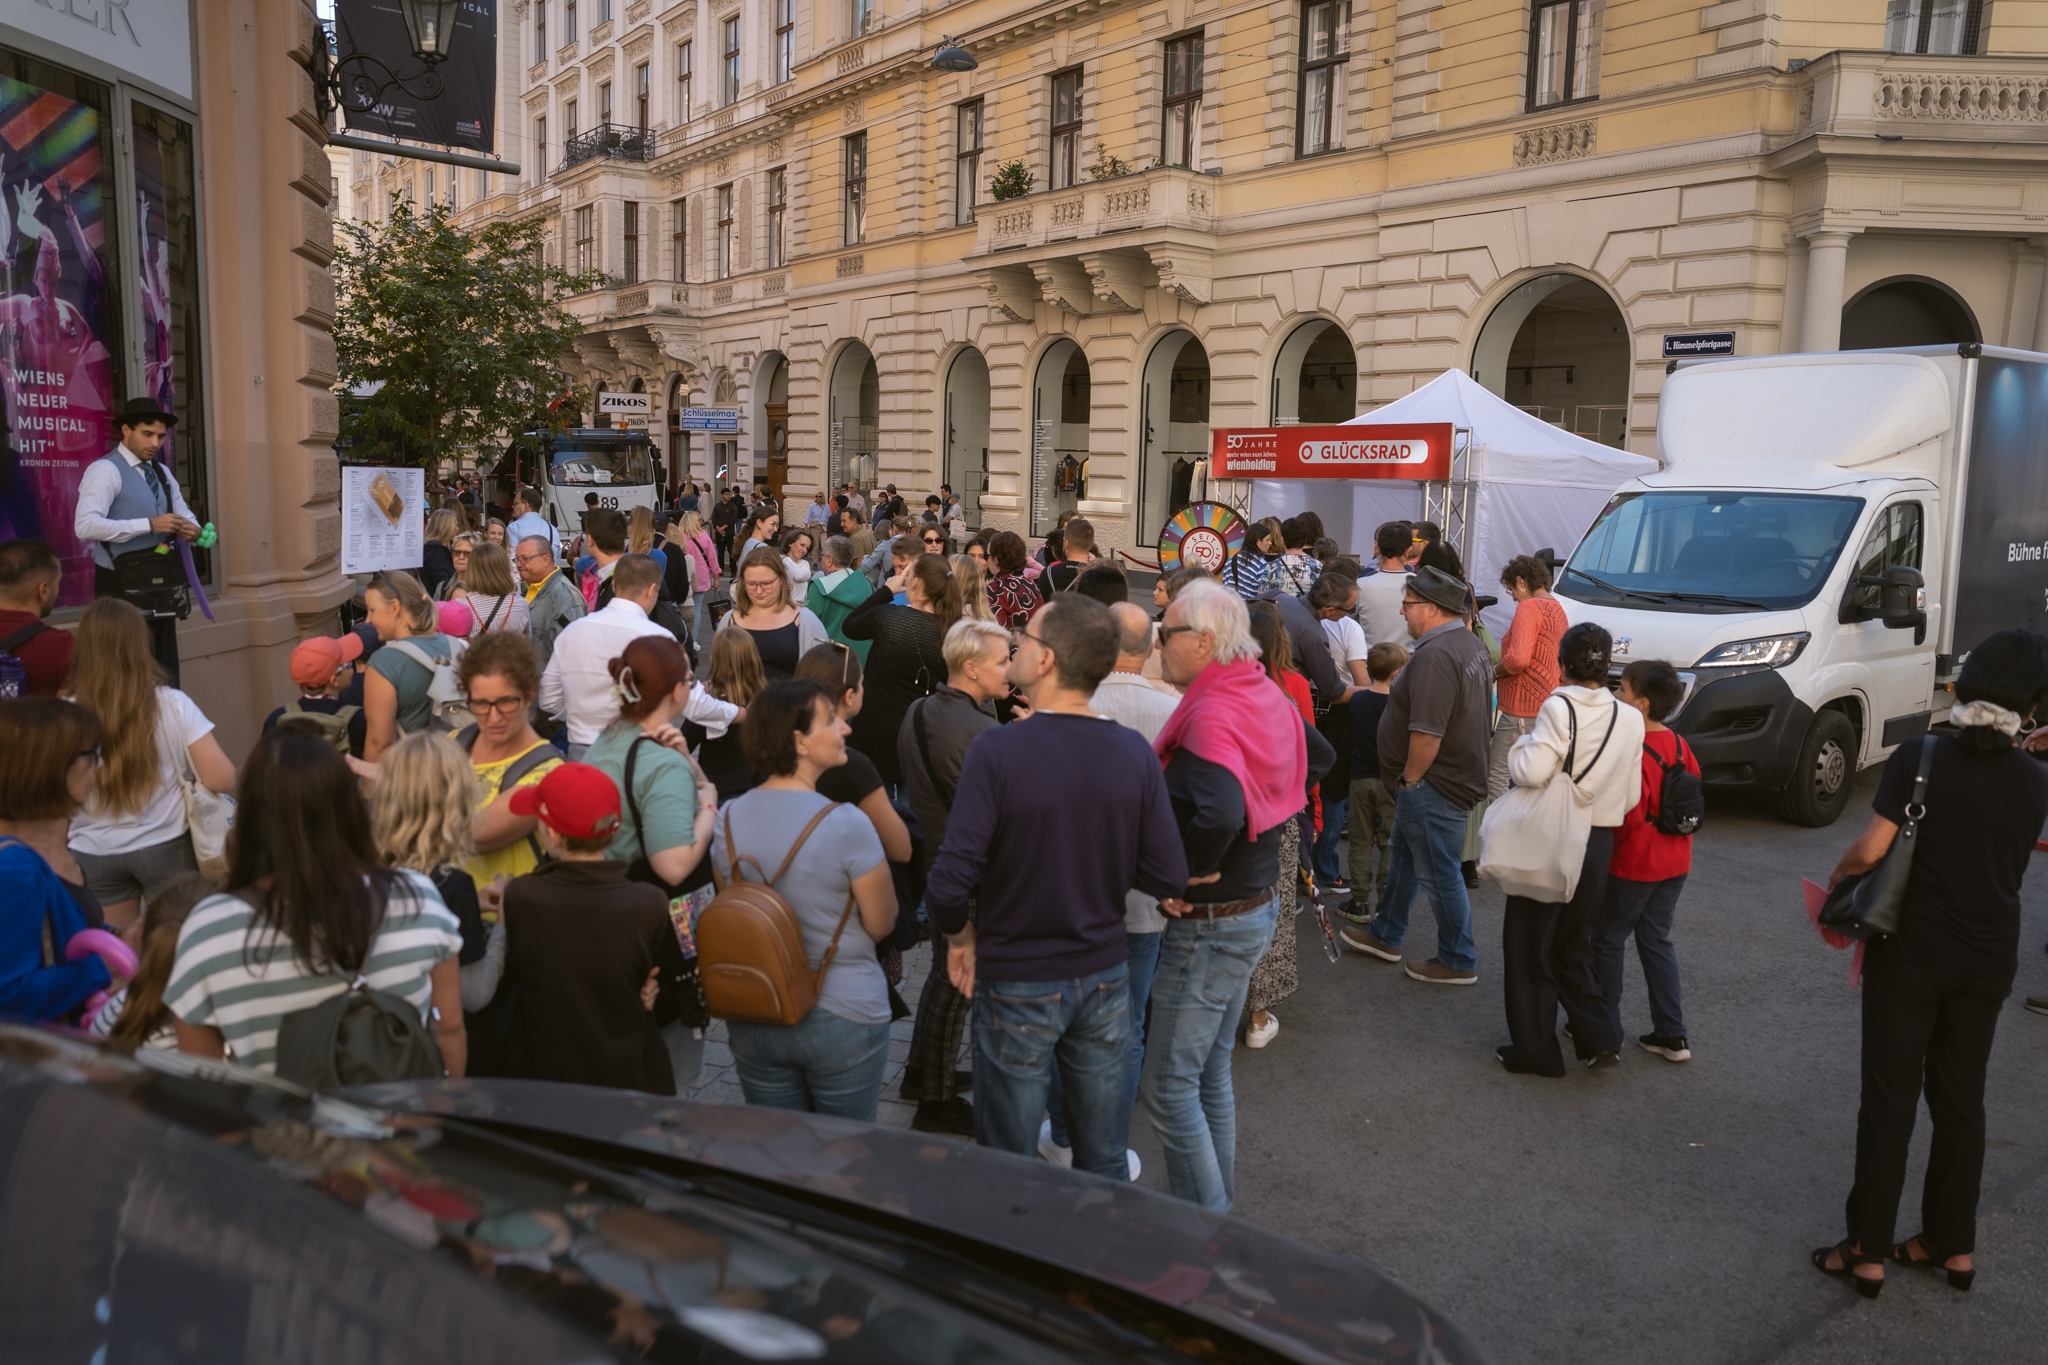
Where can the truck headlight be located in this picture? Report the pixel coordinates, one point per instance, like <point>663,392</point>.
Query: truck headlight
<point>1772,651</point>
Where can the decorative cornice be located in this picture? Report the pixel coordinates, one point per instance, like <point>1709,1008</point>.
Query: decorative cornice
<point>1012,292</point>
<point>1063,283</point>
<point>1184,271</point>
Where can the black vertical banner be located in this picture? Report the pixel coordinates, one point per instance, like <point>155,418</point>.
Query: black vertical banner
<point>463,114</point>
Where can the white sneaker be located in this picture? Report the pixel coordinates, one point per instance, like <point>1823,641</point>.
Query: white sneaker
<point>1049,1150</point>
<point>1137,1166</point>
<point>1257,1036</point>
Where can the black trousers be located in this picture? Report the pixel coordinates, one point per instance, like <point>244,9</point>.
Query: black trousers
<point>1547,961</point>
<point>163,630</point>
<point>1921,1025</point>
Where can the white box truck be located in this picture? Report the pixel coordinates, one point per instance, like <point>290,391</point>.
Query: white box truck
<point>1829,537</point>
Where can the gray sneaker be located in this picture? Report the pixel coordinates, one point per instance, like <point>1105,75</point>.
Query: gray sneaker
<point>1364,942</point>
<point>2038,1003</point>
<point>1437,974</point>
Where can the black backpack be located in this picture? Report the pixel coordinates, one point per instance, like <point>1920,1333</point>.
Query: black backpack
<point>360,1037</point>
<point>1682,799</point>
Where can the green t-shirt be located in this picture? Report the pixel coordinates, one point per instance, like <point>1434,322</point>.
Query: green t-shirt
<point>410,680</point>
<point>663,786</point>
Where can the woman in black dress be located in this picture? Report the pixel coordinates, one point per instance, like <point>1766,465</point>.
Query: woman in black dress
<point>907,660</point>
<point>1933,991</point>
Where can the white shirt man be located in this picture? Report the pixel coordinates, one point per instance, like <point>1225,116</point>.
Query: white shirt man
<point>1128,697</point>
<point>577,685</point>
<point>101,484</point>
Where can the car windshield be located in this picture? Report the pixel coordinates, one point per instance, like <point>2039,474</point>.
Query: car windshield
<point>602,463</point>
<point>1710,550</point>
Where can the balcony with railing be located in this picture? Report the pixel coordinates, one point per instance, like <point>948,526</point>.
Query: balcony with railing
<point>609,141</point>
<point>1898,95</point>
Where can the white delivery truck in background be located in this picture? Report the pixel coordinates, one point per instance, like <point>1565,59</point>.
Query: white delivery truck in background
<point>1829,537</point>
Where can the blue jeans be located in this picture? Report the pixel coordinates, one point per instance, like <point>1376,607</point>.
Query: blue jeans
<point>1023,1032</point>
<point>1428,838</point>
<point>1645,909</point>
<point>1143,960</point>
<point>823,1064</point>
<point>1323,862</point>
<point>1205,969</point>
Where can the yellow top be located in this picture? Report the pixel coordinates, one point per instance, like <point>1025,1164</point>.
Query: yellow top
<point>518,858</point>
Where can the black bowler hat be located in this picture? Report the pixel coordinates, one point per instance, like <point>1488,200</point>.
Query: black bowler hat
<point>139,410</point>
<point>1439,589</point>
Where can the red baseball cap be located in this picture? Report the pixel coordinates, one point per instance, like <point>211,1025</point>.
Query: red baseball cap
<point>316,661</point>
<point>575,800</point>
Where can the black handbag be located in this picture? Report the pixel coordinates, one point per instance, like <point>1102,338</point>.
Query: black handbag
<point>1867,905</point>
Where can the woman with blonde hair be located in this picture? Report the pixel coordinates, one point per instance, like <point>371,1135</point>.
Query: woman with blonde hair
<point>495,602</point>
<point>460,551</point>
<point>437,562</point>
<point>422,817</point>
<point>131,839</point>
<point>782,631</point>
<point>696,542</point>
<point>395,690</point>
<point>973,580</point>
<point>732,673</point>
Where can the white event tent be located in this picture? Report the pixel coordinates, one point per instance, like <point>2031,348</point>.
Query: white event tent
<point>1534,486</point>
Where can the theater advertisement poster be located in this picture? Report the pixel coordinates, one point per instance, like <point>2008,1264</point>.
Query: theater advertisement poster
<point>55,352</point>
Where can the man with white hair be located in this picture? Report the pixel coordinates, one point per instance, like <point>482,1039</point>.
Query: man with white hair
<point>1238,764</point>
<point>932,745</point>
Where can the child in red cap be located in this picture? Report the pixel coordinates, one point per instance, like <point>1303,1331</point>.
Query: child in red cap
<point>322,666</point>
<point>590,954</point>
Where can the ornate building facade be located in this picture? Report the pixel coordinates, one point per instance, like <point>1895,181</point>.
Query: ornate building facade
<point>1241,213</point>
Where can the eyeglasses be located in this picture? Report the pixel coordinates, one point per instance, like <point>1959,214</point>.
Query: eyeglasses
<point>481,707</point>
<point>93,753</point>
<point>521,559</point>
<point>1168,632</point>
<point>1040,642</point>
<point>1408,602</point>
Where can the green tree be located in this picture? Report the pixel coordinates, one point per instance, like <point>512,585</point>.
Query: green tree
<point>461,332</point>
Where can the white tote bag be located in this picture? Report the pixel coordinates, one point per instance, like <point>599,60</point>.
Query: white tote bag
<point>1533,840</point>
<point>209,815</point>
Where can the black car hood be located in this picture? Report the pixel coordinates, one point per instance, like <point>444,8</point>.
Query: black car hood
<point>1302,1302</point>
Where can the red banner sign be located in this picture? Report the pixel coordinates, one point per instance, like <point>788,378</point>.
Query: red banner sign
<point>1416,450</point>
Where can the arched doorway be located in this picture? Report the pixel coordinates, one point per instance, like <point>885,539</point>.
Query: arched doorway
<point>1315,376</point>
<point>1061,401</point>
<point>1557,346</point>
<point>966,453</point>
<point>853,417</point>
<point>679,454</point>
<point>770,426</point>
<point>1173,432</point>
<point>1907,310</point>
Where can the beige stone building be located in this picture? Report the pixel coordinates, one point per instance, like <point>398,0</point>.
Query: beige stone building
<point>1249,213</point>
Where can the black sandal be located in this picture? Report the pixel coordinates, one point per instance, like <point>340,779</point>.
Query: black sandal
<point>1868,1288</point>
<point>1957,1279</point>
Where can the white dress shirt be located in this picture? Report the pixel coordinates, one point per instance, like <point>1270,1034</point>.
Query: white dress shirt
<point>577,685</point>
<point>97,489</point>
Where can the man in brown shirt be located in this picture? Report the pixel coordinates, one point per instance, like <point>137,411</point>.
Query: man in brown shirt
<point>1432,743</point>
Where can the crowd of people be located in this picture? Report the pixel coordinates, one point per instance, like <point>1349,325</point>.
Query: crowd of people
<point>501,808</point>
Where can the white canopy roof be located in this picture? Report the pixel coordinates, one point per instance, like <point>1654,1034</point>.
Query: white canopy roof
<point>1536,486</point>
<point>1509,445</point>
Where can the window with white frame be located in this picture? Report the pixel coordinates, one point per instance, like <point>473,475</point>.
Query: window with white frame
<point>604,102</point>
<point>1180,136</point>
<point>642,89</point>
<point>860,17</point>
<point>686,62</point>
<point>540,30</point>
<point>679,237</point>
<point>540,148</point>
<point>854,216</point>
<point>729,68</point>
<point>586,239</point>
<point>1561,65</point>
<point>1325,58</point>
<point>966,160</point>
<point>785,40</point>
<point>778,217</point>
<point>1947,28</point>
<point>1066,130</point>
<point>569,121</point>
<point>632,242</point>
<point>568,21</point>
<point>725,244</point>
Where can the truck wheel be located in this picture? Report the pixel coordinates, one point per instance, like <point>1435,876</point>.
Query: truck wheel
<point>1819,790</point>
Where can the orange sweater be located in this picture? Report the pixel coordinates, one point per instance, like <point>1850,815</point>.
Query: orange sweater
<point>1528,656</point>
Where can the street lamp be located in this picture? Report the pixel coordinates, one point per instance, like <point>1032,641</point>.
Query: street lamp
<point>953,57</point>
<point>431,26</point>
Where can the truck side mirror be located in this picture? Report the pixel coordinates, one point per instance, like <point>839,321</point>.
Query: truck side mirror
<point>1902,595</point>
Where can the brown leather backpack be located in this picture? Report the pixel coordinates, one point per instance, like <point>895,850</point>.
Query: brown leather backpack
<point>750,945</point>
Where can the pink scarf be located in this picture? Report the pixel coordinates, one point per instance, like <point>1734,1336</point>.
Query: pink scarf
<point>1235,716</point>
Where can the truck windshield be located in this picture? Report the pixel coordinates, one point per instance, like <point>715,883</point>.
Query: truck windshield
<point>1710,551</point>
<point>595,464</point>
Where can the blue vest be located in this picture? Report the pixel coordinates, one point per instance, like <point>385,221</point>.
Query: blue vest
<point>136,501</point>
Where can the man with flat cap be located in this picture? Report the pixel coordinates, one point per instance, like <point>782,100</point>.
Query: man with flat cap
<point>129,500</point>
<point>1433,743</point>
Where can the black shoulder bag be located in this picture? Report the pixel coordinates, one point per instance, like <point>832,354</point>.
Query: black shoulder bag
<point>1867,905</point>
<point>684,993</point>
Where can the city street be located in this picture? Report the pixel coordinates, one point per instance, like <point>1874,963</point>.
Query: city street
<point>1648,1213</point>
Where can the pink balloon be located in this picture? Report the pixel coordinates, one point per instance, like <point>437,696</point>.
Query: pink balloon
<point>118,956</point>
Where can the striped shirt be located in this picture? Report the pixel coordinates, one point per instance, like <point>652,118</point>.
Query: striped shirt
<point>238,974</point>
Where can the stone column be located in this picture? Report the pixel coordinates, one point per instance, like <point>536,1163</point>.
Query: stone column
<point>1794,310</point>
<point>1827,265</point>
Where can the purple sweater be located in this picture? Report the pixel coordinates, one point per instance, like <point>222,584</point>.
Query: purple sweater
<point>1056,817</point>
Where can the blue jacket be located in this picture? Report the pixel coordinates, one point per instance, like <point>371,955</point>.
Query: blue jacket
<point>34,897</point>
